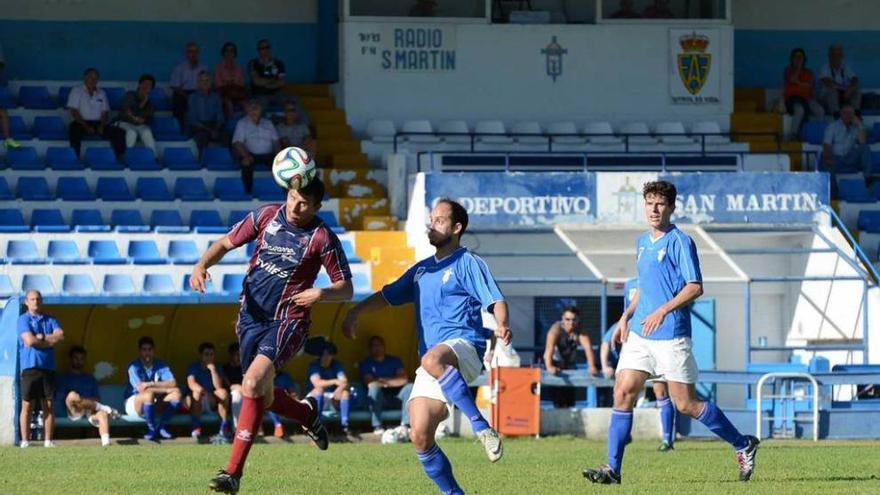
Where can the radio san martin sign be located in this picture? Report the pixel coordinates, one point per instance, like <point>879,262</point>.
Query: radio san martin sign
<point>409,48</point>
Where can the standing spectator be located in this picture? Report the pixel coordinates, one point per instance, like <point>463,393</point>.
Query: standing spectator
<point>78,391</point>
<point>327,380</point>
<point>386,382</point>
<point>840,84</point>
<point>561,349</point>
<point>798,92</point>
<point>151,388</point>
<point>288,385</point>
<point>229,79</point>
<point>38,334</point>
<point>292,131</point>
<point>626,11</point>
<point>658,10</point>
<point>206,391</point>
<point>4,116</point>
<point>254,141</point>
<point>267,75</point>
<point>843,149</point>
<point>183,81</point>
<point>232,376</point>
<point>136,114</point>
<point>90,115</point>
<point>205,114</point>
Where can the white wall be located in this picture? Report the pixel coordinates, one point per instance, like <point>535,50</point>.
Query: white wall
<point>806,14</point>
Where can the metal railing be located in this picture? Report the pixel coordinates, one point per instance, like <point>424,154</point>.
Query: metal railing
<point>759,413</point>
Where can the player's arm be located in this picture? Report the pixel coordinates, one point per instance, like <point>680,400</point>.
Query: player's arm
<point>216,251</point>
<point>368,378</point>
<point>31,340</point>
<point>401,291</point>
<point>319,382</point>
<point>216,377</point>
<point>502,323</point>
<point>193,384</point>
<point>398,380</point>
<point>341,380</point>
<point>166,382</point>
<point>604,357</point>
<point>622,330</point>
<point>584,340</point>
<point>549,344</point>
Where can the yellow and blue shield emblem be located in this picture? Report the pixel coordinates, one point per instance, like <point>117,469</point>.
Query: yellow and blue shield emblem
<point>693,67</point>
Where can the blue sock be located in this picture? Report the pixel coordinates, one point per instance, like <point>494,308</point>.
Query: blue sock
<point>618,434</point>
<point>196,422</point>
<point>437,467</point>
<point>224,426</point>
<point>150,417</point>
<point>320,399</point>
<point>170,410</point>
<point>667,419</point>
<point>715,420</point>
<point>274,417</point>
<point>344,406</point>
<point>454,386</point>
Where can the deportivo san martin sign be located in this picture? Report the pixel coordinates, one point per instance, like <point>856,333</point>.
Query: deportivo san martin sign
<point>694,66</point>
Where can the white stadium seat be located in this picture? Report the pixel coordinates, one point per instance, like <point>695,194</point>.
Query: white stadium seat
<point>454,126</point>
<point>381,131</point>
<point>605,134</point>
<point>497,131</point>
<point>709,127</point>
<point>418,126</point>
<point>528,127</point>
<point>676,129</point>
<point>638,128</point>
<point>565,128</point>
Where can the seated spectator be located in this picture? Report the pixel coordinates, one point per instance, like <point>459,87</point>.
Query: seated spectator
<point>840,84</point>
<point>78,391</point>
<point>229,79</point>
<point>254,141</point>
<point>423,8</point>
<point>90,115</point>
<point>561,349</point>
<point>292,131</point>
<point>232,376</point>
<point>386,382</point>
<point>798,92</point>
<point>151,389</point>
<point>183,81</point>
<point>626,11</point>
<point>205,391</point>
<point>286,383</point>
<point>205,114</point>
<point>4,116</point>
<point>136,114</point>
<point>658,10</point>
<point>267,76</point>
<point>844,149</point>
<point>327,381</point>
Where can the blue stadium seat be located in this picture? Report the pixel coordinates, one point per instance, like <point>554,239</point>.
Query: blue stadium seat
<point>237,256</point>
<point>78,284</point>
<point>167,221</point>
<point>869,221</point>
<point>48,220</point>
<point>38,281</point>
<point>5,192</point>
<point>361,283</point>
<point>23,252</point>
<point>211,286</point>
<point>875,132</point>
<point>180,159</point>
<point>145,252</point>
<point>118,284</point>
<point>329,218</point>
<point>854,191</point>
<point>35,98</point>
<point>101,158</point>
<point>64,252</point>
<point>88,220</point>
<point>6,98</point>
<point>33,189</point>
<point>115,95</point>
<point>167,129</point>
<point>6,288</point>
<point>191,189</point>
<point>230,189</point>
<point>62,158</point>
<point>113,189</point>
<point>152,189</point>
<point>182,251</point>
<point>236,216</point>
<point>128,220</point>
<point>813,132</point>
<point>158,284</point>
<point>141,158</point>
<point>63,95</point>
<point>105,252</point>
<point>24,158</point>
<point>50,128</point>
<point>11,220</point>
<point>206,221</point>
<point>232,282</point>
<point>74,189</point>
<point>160,100</point>
<point>217,158</point>
<point>348,247</point>
<point>18,129</point>
<point>266,189</point>
<point>322,281</point>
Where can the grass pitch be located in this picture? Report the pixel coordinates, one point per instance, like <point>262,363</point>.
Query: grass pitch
<point>550,465</point>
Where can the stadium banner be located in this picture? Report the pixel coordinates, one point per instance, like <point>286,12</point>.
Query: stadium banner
<point>423,48</point>
<point>518,199</point>
<point>695,67</point>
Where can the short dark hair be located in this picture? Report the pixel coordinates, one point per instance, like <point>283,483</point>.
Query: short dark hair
<point>314,190</point>
<point>661,188</point>
<point>90,69</point>
<point>233,348</point>
<point>77,349</point>
<point>205,346</point>
<point>227,46</point>
<point>376,338</point>
<point>796,51</point>
<point>459,213</point>
<point>147,77</point>
<point>264,40</point>
<point>571,309</point>
<point>330,348</point>
<point>146,340</point>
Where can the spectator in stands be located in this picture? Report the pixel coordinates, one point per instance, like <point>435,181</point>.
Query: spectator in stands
<point>284,381</point>
<point>38,332</point>
<point>561,349</point>
<point>327,380</point>
<point>255,141</point>
<point>78,391</point>
<point>136,114</point>
<point>292,131</point>
<point>151,389</point>
<point>625,11</point>
<point>90,115</point>
<point>423,8</point>
<point>843,148</point>
<point>658,10</point>
<point>205,391</point>
<point>232,376</point>
<point>386,382</point>
<point>229,79</point>
<point>840,84</point>
<point>184,78</point>
<point>797,91</point>
<point>4,116</point>
<point>205,114</point>
<point>267,75</point>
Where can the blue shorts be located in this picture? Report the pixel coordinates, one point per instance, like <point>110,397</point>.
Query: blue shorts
<point>279,340</point>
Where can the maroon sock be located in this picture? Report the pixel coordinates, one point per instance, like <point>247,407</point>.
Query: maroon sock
<point>248,423</point>
<point>289,407</point>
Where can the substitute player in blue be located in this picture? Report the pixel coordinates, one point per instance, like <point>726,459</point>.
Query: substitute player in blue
<point>657,342</point>
<point>450,291</point>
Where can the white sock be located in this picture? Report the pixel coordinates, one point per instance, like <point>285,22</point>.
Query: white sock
<point>105,439</point>
<point>47,443</point>
<point>102,407</point>
<point>236,407</point>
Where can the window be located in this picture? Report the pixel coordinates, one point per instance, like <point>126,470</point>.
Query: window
<point>418,8</point>
<point>664,9</point>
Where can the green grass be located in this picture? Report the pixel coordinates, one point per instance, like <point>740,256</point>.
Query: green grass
<point>551,465</point>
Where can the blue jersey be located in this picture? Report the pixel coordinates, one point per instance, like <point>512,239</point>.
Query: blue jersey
<point>84,384</point>
<point>137,373</point>
<point>387,368</point>
<point>629,291</point>
<point>333,372</point>
<point>665,266</point>
<point>285,381</point>
<point>31,357</point>
<point>202,375</point>
<point>449,295</point>
<point>614,350</point>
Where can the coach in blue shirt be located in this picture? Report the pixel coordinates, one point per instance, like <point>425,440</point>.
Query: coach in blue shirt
<point>39,333</point>
<point>386,382</point>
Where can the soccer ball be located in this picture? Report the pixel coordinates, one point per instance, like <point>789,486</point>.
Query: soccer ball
<point>292,168</point>
<point>395,435</point>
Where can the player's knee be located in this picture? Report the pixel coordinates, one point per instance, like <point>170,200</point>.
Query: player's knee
<point>690,408</point>
<point>249,387</point>
<point>174,394</point>
<point>624,398</point>
<point>147,396</point>
<point>345,394</point>
<point>433,364</point>
<point>422,440</point>
<point>196,395</point>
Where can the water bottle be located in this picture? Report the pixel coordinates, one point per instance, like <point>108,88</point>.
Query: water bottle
<point>40,425</point>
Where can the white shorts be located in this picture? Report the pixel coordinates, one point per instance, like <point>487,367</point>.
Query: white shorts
<point>77,415</point>
<point>664,360</point>
<point>470,365</point>
<point>129,407</point>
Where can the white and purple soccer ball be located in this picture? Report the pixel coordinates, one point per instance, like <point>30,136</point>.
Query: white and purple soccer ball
<point>292,168</point>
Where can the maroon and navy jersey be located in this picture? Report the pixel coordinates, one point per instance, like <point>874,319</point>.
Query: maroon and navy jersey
<point>286,261</point>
